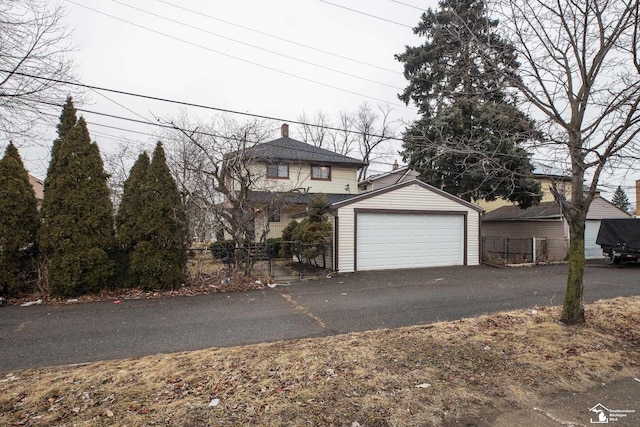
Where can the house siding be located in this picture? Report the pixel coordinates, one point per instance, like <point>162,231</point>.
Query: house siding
<point>546,196</point>
<point>408,198</point>
<point>300,178</point>
<point>601,209</point>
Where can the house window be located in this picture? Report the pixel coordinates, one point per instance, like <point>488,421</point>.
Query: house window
<point>275,216</point>
<point>321,172</point>
<point>278,171</point>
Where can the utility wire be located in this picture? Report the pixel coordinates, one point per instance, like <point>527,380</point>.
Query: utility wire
<point>293,42</point>
<point>183,103</point>
<point>367,14</point>
<point>408,5</point>
<point>239,58</point>
<point>293,58</point>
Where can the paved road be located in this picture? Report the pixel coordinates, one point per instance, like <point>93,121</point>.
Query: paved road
<point>47,335</point>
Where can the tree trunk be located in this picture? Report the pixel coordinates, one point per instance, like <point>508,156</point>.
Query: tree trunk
<point>573,308</point>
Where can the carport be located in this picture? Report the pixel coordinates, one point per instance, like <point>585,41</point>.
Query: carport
<point>407,225</point>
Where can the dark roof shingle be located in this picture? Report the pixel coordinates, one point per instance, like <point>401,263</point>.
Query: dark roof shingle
<point>544,210</point>
<point>291,150</point>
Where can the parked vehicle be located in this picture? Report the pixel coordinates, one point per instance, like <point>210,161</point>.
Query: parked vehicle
<point>620,239</point>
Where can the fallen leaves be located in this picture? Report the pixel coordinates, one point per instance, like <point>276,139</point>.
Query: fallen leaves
<point>425,375</point>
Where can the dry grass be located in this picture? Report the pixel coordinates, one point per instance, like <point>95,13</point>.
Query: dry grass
<point>429,375</point>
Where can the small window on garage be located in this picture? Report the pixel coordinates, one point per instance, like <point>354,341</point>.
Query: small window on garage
<point>321,172</point>
<point>278,171</point>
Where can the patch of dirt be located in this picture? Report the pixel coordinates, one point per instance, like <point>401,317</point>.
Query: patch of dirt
<point>212,284</point>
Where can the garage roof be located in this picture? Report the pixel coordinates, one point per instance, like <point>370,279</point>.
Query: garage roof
<point>363,196</point>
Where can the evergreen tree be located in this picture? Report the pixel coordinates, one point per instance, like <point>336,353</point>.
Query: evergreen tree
<point>314,229</point>
<point>68,118</point>
<point>129,221</point>
<point>77,218</point>
<point>18,222</point>
<point>469,139</point>
<point>159,260</point>
<point>620,200</point>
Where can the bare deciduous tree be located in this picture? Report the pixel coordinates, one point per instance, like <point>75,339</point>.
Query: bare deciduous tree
<point>220,177</point>
<point>363,133</point>
<point>580,69</point>
<point>34,42</point>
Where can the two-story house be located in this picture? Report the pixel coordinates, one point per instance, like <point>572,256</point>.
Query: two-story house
<point>295,171</point>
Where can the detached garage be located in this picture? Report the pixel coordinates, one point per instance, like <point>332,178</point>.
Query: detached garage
<point>408,225</point>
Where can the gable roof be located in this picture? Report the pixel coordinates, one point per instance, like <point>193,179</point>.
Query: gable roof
<point>363,196</point>
<point>403,170</point>
<point>600,208</point>
<point>287,149</point>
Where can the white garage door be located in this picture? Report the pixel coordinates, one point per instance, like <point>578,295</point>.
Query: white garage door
<point>388,241</point>
<point>591,249</point>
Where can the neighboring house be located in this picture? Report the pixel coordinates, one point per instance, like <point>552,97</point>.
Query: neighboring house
<point>295,171</point>
<point>395,176</point>
<point>38,189</point>
<point>546,221</point>
<point>547,178</point>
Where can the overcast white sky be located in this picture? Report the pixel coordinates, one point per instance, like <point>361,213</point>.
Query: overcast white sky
<point>241,55</point>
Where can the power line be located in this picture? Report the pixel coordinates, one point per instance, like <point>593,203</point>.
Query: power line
<point>171,101</point>
<point>408,5</point>
<point>293,58</point>
<point>286,73</point>
<point>367,14</point>
<point>293,42</point>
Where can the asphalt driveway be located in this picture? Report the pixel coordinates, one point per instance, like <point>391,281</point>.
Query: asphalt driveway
<point>50,335</point>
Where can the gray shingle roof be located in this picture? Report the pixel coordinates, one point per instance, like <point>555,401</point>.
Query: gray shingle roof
<point>545,210</point>
<point>286,149</point>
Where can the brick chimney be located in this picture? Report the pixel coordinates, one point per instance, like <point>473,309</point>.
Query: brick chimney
<point>638,197</point>
<point>284,130</point>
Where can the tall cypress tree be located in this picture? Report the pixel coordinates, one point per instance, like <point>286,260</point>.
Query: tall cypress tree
<point>130,223</point>
<point>158,260</point>
<point>77,218</point>
<point>18,222</point>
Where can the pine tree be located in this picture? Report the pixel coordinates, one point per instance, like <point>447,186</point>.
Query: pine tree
<point>620,200</point>
<point>469,139</point>
<point>77,218</point>
<point>18,222</point>
<point>159,260</point>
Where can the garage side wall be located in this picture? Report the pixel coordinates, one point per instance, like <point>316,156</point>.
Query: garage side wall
<point>409,198</point>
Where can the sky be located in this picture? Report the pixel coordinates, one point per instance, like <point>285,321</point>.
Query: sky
<point>280,59</point>
<point>277,58</point>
